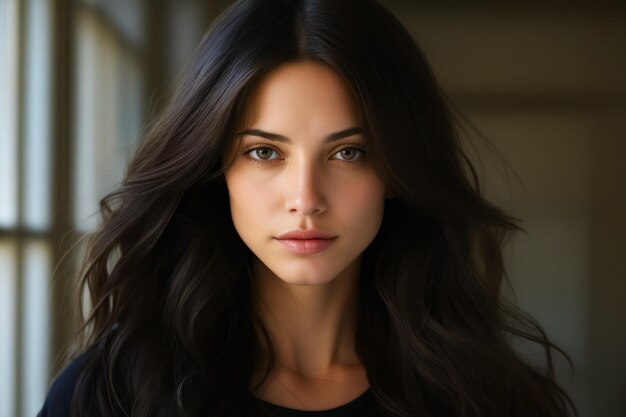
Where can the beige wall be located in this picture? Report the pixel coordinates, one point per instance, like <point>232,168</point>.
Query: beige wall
<point>547,86</point>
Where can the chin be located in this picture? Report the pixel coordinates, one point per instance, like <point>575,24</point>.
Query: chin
<point>305,279</point>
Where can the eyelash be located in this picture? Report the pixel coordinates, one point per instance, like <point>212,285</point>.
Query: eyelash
<point>269,161</point>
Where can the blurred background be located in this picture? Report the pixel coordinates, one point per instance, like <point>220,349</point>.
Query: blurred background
<point>544,81</point>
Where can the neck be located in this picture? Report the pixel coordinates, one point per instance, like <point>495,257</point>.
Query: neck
<point>311,327</point>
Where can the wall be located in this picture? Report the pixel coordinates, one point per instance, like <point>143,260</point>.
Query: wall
<point>546,84</point>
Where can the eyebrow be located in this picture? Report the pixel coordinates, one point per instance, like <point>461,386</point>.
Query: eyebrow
<point>280,138</point>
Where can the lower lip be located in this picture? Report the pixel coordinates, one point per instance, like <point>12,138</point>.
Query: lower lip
<point>306,246</point>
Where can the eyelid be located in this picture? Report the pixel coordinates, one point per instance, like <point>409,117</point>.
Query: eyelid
<point>358,148</point>
<point>247,152</point>
<point>260,146</point>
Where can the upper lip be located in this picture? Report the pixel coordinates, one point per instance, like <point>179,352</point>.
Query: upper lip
<point>306,234</point>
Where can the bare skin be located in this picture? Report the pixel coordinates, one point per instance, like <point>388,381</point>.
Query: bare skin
<point>322,331</point>
<point>307,302</point>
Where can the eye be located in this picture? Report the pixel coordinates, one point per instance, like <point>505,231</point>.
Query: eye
<point>351,154</point>
<point>261,154</point>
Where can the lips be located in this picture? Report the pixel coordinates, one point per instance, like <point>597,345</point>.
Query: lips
<point>306,241</point>
<point>306,234</point>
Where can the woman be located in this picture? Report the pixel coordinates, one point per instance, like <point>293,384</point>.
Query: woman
<point>297,235</point>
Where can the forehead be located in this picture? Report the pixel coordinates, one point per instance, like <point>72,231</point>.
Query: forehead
<point>301,96</point>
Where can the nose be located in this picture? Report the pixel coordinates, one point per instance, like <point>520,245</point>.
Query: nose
<point>304,191</point>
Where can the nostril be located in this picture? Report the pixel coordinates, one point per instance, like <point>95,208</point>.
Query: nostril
<point>306,201</point>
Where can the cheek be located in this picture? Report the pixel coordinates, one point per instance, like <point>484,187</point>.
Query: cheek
<point>240,196</point>
<point>250,200</point>
<point>363,203</point>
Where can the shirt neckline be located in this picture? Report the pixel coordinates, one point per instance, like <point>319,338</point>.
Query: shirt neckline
<point>353,405</point>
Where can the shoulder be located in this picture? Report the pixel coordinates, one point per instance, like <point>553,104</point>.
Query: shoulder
<point>59,396</point>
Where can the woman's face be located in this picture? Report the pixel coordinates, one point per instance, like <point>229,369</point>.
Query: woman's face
<point>303,166</point>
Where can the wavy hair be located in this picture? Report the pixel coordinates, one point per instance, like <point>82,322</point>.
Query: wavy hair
<point>170,329</point>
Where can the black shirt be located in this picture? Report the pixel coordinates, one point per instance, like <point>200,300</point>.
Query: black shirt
<point>57,403</point>
<point>363,406</point>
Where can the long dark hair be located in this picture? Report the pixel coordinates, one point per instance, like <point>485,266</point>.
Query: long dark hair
<point>170,330</point>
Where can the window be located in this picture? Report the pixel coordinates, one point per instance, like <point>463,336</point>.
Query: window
<point>25,226</point>
<point>107,113</point>
<point>108,110</point>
